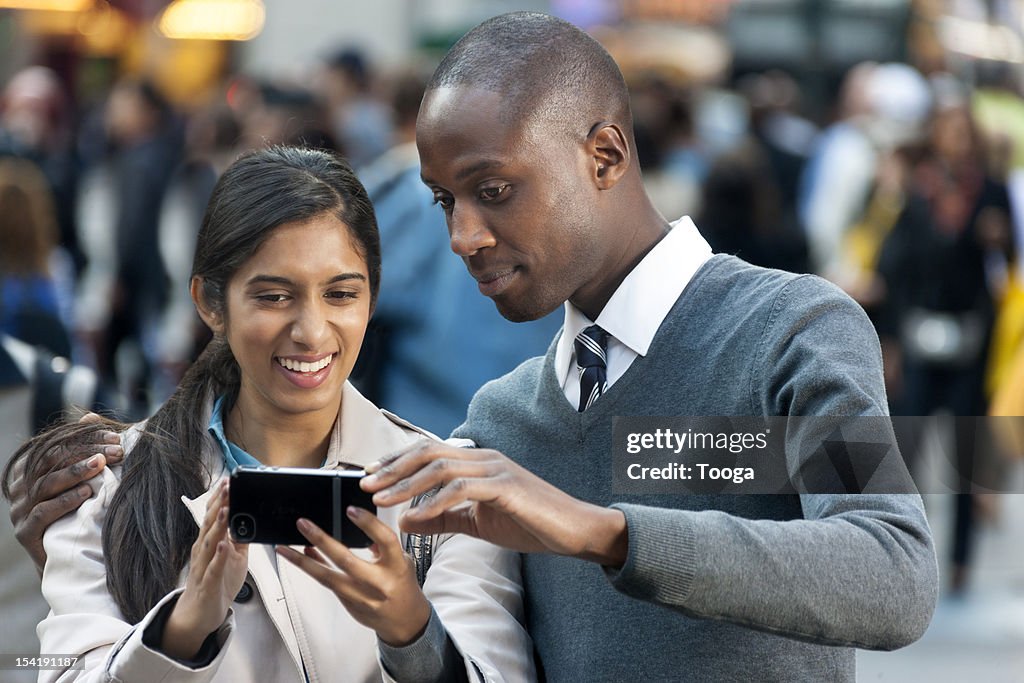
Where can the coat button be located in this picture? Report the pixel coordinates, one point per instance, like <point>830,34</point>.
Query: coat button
<point>245,594</point>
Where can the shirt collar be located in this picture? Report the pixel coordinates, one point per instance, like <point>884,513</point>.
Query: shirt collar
<point>233,455</point>
<point>641,303</point>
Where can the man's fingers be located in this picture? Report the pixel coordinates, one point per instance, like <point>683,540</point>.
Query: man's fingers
<point>42,515</point>
<point>55,483</point>
<point>401,464</point>
<point>452,494</point>
<point>387,460</point>
<point>432,474</point>
<point>17,476</point>
<point>448,522</point>
<point>114,453</point>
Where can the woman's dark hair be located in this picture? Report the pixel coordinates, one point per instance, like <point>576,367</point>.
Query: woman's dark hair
<point>148,533</point>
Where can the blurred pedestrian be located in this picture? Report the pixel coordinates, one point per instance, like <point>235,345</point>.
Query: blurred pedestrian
<point>29,306</point>
<point>361,122</point>
<point>36,123</point>
<point>125,287</point>
<point>936,264</point>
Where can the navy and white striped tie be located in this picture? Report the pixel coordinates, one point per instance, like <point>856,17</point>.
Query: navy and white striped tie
<point>591,357</point>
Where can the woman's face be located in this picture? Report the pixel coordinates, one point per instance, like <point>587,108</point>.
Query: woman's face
<point>296,313</point>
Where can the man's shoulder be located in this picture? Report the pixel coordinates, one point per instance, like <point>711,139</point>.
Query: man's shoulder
<point>526,376</point>
<point>512,394</point>
<point>732,282</point>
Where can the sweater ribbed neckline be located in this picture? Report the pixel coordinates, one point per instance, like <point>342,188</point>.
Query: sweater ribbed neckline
<point>610,398</point>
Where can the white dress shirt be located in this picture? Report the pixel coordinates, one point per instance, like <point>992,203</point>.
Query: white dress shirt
<point>638,307</point>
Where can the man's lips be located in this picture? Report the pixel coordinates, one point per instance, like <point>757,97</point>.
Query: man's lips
<point>493,282</point>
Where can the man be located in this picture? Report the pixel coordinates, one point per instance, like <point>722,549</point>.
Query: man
<point>525,139</point>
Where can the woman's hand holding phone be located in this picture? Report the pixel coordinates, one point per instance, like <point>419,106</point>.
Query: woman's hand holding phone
<point>216,572</point>
<point>382,593</point>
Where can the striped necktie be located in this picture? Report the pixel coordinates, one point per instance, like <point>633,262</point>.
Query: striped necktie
<point>591,357</point>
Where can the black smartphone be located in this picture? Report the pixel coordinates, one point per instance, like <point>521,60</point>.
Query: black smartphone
<point>265,502</point>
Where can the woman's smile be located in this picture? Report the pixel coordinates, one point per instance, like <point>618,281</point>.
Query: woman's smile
<point>306,374</point>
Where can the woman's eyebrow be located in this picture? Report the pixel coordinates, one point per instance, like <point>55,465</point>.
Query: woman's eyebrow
<point>268,279</point>
<point>346,276</point>
<point>280,280</point>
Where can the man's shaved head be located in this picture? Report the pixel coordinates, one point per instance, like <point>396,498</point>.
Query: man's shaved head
<point>543,67</point>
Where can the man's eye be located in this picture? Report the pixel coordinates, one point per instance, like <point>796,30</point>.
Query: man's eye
<point>492,193</point>
<point>272,298</point>
<point>445,201</point>
<point>342,294</point>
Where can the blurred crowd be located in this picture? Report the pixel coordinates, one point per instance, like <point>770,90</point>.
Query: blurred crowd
<point>908,194</point>
<point>100,207</point>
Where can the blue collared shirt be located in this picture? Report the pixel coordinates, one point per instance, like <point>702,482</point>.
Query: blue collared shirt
<point>233,455</point>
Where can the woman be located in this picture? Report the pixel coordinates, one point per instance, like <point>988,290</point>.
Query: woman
<point>144,582</point>
<point>939,262</point>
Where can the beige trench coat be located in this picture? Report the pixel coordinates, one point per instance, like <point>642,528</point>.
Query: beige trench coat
<point>292,624</point>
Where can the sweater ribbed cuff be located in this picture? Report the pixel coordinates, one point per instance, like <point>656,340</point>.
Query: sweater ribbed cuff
<point>662,559</point>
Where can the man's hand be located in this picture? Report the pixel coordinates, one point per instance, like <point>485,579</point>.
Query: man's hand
<point>484,494</point>
<point>34,508</point>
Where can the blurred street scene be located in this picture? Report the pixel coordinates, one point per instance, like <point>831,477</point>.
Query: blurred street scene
<point>977,635</point>
<point>877,143</point>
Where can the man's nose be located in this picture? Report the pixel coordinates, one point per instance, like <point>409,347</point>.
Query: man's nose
<point>468,231</point>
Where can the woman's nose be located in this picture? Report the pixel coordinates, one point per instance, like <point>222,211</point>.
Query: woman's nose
<point>310,326</point>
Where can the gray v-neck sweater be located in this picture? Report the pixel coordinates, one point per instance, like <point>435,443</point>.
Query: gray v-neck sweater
<point>759,587</point>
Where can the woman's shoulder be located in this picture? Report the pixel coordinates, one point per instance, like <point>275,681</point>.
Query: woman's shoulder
<point>130,437</point>
<point>409,427</point>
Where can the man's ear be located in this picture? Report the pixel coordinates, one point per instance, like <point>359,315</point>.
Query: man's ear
<point>610,153</point>
<point>213,318</point>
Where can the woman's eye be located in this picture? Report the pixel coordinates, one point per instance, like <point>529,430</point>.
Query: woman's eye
<point>492,193</point>
<point>272,298</point>
<point>342,294</point>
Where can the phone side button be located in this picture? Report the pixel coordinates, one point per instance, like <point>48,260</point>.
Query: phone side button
<point>244,594</point>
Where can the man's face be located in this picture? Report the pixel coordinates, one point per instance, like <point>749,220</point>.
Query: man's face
<point>519,201</point>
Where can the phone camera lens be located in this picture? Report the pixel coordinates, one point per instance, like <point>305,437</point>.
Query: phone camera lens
<point>243,527</point>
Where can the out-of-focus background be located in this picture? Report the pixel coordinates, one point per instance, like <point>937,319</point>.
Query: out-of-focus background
<point>878,143</point>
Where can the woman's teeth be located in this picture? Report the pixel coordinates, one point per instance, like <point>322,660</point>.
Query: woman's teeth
<point>299,366</point>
